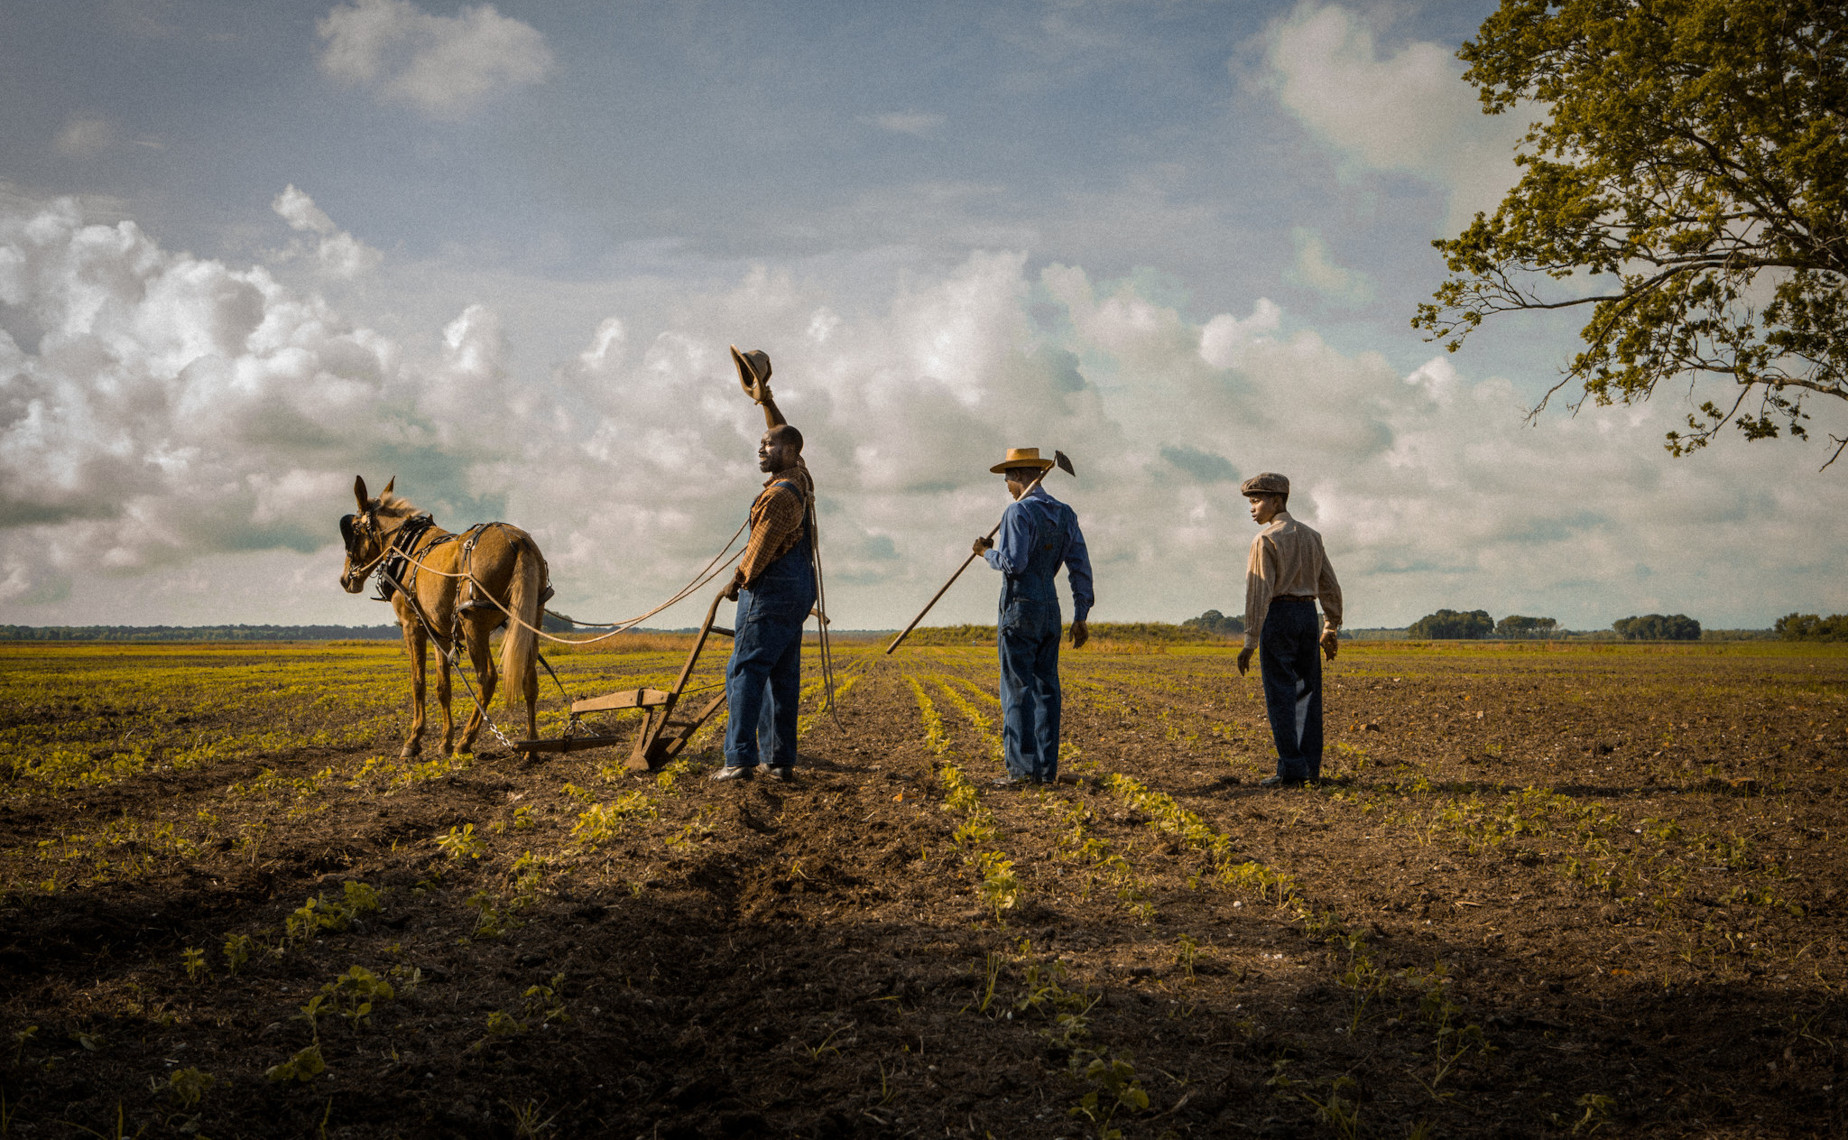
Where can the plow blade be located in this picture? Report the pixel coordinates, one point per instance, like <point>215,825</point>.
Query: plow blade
<point>626,699</point>
<point>575,744</point>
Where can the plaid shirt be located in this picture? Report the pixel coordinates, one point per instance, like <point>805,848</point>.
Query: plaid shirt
<point>777,519</point>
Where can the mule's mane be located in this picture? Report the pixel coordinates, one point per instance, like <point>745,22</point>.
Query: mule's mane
<point>392,505</point>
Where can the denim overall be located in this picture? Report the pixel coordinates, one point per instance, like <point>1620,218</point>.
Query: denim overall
<point>765,672</point>
<point>1027,636</point>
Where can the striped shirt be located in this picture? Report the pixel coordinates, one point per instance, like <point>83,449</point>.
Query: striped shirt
<point>1287,558</point>
<point>777,520</point>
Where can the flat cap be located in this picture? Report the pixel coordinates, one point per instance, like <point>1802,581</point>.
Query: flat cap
<point>1265,483</point>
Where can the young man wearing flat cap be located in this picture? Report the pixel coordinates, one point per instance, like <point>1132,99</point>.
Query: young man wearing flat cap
<point>775,590</point>
<point>1287,573</point>
<point>1038,535</point>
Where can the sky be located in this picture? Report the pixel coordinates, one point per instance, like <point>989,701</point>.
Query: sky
<point>498,252</point>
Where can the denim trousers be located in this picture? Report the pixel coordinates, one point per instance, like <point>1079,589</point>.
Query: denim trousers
<point>1289,653</point>
<point>1028,639</point>
<point>766,664</point>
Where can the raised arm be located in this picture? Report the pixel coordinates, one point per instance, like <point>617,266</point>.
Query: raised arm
<point>773,418</point>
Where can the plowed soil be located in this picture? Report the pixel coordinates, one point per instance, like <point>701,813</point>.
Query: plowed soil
<point>1545,890</point>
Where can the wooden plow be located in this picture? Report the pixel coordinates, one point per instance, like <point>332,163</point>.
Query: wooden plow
<point>662,735</point>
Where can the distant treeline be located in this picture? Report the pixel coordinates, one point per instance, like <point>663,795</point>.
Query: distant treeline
<point>1141,632</point>
<point>1477,625</point>
<point>1810,627</point>
<point>196,632</point>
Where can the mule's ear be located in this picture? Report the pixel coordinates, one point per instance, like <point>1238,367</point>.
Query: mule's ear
<point>389,484</point>
<point>359,492</point>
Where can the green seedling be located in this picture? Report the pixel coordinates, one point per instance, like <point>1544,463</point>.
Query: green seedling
<point>666,778</point>
<point>500,1024</point>
<point>1186,951</point>
<point>305,1066</point>
<point>318,914</point>
<point>1364,979</point>
<point>991,970</point>
<point>20,1037</point>
<point>529,873</point>
<point>1341,1113</point>
<point>934,736</point>
<point>185,1086</point>
<point>973,832</point>
<point>361,898</point>
<point>196,967</point>
<point>1000,887</point>
<point>311,1013</point>
<point>527,1123</point>
<point>546,1003</point>
<point>1597,1113</point>
<point>827,1043</point>
<point>354,993</point>
<point>461,843</point>
<point>490,920</point>
<point>1115,1087</point>
<point>237,952</point>
<point>601,823</point>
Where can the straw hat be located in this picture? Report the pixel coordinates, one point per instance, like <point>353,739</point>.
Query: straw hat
<point>1265,483</point>
<point>1022,457</point>
<point>753,368</point>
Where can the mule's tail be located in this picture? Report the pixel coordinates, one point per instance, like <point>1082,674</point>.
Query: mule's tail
<point>520,647</point>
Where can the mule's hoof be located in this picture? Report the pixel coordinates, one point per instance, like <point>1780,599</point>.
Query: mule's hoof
<point>409,751</point>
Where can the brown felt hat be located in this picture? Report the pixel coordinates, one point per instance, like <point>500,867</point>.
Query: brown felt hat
<point>1022,457</point>
<point>1265,483</point>
<point>753,367</point>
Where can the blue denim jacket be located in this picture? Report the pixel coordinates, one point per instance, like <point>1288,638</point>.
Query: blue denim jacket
<point>1038,535</point>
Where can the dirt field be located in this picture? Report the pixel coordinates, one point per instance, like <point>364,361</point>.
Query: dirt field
<point>1547,891</point>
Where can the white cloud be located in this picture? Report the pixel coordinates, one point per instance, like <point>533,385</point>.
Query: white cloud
<point>189,423</point>
<point>299,210</point>
<point>445,66</point>
<point>1223,338</point>
<point>338,254</point>
<point>1407,111</point>
<point>84,137</point>
<point>1315,268</point>
<point>919,123</point>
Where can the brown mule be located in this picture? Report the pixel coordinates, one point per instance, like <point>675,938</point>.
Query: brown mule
<point>440,585</point>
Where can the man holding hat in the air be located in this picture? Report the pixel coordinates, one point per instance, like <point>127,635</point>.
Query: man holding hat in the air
<point>1038,535</point>
<point>1285,575</point>
<point>775,589</point>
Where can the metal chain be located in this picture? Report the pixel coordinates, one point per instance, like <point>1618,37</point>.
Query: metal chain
<point>455,662</point>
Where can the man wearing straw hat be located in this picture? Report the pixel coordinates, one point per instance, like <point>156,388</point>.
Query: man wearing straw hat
<point>775,589</point>
<point>1287,573</point>
<point>1038,535</point>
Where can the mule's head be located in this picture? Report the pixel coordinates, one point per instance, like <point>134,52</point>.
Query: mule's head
<point>368,533</point>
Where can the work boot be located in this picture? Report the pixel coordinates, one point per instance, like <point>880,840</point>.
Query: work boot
<point>733,772</point>
<point>1279,782</point>
<point>1011,782</point>
<point>783,773</point>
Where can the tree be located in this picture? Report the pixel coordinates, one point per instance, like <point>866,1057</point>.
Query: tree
<point>1693,162</point>
<point>1451,625</point>
<point>1810,627</point>
<point>1514,625</point>
<point>1657,627</point>
<point>1216,623</point>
